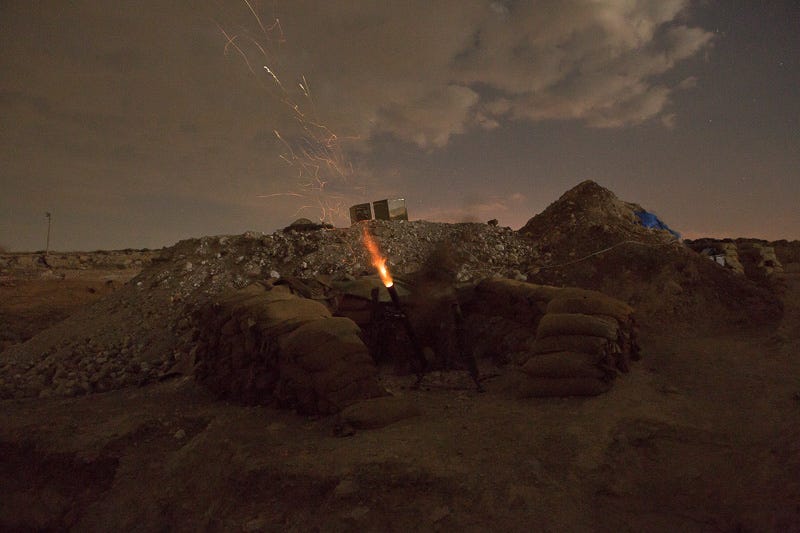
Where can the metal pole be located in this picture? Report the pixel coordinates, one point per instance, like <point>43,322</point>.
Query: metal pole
<point>47,246</point>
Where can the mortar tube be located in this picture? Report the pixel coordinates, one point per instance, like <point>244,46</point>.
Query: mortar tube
<point>418,353</point>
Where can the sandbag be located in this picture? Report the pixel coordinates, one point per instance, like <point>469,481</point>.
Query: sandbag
<point>340,375</point>
<point>560,387</point>
<point>570,343</point>
<point>256,294</point>
<point>280,317</point>
<point>263,345</point>
<point>577,324</point>
<point>523,303</point>
<point>316,332</point>
<point>352,303</point>
<point>361,317</point>
<point>509,288</point>
<point>595,305</point>
<point>379,412</point>
<point>234,297</point>
<point>319,358</point>
<point>568,365</point>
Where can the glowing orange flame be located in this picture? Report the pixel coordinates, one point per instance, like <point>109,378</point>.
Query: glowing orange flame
<point>378,261</point>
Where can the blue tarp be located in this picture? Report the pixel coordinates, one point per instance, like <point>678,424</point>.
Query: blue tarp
<point>649,220</point>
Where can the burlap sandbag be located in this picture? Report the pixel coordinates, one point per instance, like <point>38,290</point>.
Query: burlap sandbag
<point>509,288</point>
<point>350,350</point>
<point>568,365</point>
<point>272,315</point>
<point>257,293</point>
<point>350,303</point>
<point>552,325</point>
<point>559,387</point>
<point>524,303</point>
<point>320,344</point>
<point>280,317</point>
<point>230,326</point>
<point>295,389</point>
<point>570,343</point>
<point>379,412</point>
<point>277,301</point>
<point>356,309</point>
<point>595,305</point>
<point>315,332</point>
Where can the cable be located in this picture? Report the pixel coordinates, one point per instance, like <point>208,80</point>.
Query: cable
<point>604,250</point>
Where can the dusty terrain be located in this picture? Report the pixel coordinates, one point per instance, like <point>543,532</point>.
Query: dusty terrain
<point>703,434</point>
<point>30,306</point>
<point>35,295</point>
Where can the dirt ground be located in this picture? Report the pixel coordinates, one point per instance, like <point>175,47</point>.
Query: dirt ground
<point>30,304</point>
<point>702,435</point>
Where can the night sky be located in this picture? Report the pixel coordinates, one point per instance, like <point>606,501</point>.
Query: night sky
<point>137,124</point>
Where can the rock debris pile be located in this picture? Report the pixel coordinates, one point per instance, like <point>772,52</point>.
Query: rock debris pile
<point>142,330</point>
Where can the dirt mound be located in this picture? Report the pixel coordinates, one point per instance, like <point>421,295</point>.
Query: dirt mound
<point>590,238</point>
<point>589,216</point>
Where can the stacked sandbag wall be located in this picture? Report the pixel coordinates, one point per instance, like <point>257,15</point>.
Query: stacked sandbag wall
<point>501,316</point>
<point>265,345</point>
<point>582,342</point>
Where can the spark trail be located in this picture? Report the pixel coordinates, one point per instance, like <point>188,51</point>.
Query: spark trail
<point>324,178</point>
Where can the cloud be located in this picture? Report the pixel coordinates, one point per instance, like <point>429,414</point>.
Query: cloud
<point>668,120</point>
<point>433,118</point>
<point>428,71</point>
<point>475,208</point>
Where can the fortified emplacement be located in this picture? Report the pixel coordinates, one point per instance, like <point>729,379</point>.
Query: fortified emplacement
<point>318,346</point>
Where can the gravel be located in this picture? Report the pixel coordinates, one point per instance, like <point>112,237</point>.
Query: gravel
<point>141,331</point>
